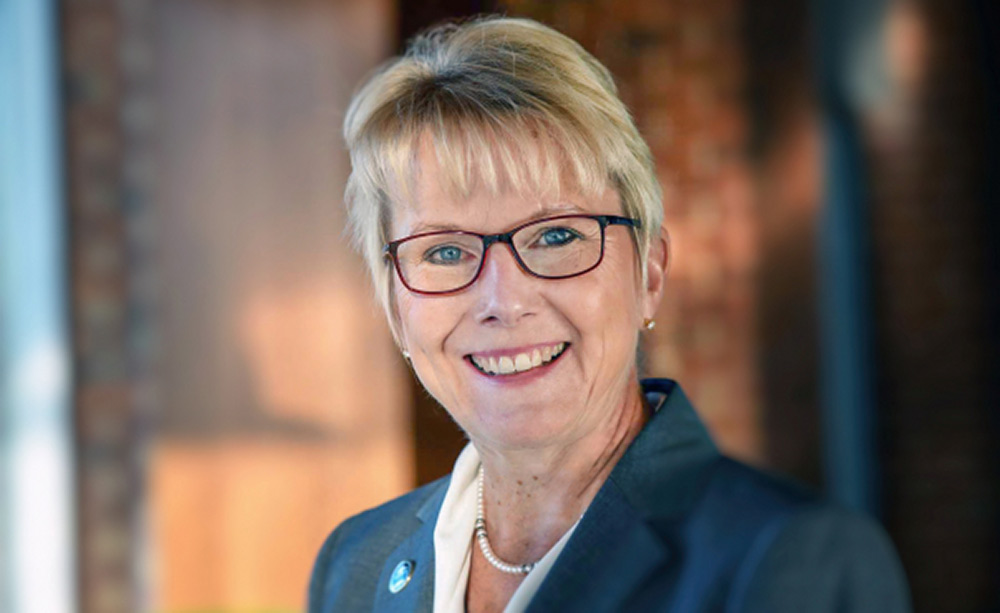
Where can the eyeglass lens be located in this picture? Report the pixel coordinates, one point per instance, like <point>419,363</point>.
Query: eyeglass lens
<point>548,248</point>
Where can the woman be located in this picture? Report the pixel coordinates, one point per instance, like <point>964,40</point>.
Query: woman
<point>509,212</point>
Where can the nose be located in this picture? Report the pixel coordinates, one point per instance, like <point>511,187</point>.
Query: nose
<point>507,293</point>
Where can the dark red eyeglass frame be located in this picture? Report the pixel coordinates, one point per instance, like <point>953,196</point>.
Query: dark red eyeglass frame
<point>390,249</point>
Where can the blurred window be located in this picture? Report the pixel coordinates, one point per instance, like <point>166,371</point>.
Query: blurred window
<point>36,543</point>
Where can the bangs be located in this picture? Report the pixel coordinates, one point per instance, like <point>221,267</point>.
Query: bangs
<point>497,154</point>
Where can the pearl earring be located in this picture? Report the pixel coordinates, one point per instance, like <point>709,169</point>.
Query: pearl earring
<point>648,324</point>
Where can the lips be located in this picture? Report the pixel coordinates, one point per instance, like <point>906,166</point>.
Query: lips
<point>514,363</point>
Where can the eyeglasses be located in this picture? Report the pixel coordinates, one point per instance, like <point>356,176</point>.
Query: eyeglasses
<point>551,248</point>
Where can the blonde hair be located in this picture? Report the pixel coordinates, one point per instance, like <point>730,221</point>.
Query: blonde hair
<point>506,103</point>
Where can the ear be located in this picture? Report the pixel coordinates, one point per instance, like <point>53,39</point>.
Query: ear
<point>657,264</point>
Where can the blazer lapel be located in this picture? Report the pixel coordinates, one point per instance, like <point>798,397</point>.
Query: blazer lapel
<point>611,540</point>
<point>418,594</point>
<point>625,535</point>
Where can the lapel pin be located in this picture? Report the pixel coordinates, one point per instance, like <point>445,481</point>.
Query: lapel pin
<point>401,576</point>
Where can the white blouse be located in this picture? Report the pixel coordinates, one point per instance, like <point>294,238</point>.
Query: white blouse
<point>453,543</point>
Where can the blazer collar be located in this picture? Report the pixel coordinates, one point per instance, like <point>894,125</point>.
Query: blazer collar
<point>663,470</point>
<point>655,483</point>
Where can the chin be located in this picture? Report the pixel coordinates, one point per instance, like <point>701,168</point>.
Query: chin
<point>524,427</point>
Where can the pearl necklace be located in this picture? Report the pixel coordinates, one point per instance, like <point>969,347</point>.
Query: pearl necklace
<point>484,541</point>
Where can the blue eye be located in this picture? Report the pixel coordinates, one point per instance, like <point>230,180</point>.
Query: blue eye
<point>445,255</point>
<point>557,237</point>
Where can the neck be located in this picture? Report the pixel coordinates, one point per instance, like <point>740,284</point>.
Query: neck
<point>531,497</point>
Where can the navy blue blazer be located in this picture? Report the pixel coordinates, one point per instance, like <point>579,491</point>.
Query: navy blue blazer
<point>676,527</point>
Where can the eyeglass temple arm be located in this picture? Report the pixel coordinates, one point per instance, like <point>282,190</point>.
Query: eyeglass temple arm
<point>618,220</point>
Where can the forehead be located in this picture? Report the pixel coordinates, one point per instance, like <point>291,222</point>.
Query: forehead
<point>434,200</point>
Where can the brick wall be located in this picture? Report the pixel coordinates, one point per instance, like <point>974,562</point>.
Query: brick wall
<point>786,150</point>
<point>106,199</point>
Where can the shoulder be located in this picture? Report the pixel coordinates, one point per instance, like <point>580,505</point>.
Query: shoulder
<point>382,521</point>
<point>830,559</point>
<point>353,554</point>
<point>792,551</point>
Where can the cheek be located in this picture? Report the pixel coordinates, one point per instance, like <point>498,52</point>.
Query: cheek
<point>606,313</point>
<point>612,313</point>
<point>619,295</point>
<point>424,323</point>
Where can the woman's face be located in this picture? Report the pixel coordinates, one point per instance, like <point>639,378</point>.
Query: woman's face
<point>594,318</point>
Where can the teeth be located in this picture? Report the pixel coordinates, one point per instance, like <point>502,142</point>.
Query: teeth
<point>505,365</point>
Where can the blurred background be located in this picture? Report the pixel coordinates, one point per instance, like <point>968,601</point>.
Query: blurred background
<point>196,385</point>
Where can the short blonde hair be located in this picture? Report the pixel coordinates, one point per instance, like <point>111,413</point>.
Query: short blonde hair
<point>506,103</point>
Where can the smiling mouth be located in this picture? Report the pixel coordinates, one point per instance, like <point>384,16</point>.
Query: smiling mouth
<point>517,363</point>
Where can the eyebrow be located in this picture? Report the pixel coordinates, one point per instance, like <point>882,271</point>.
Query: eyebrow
<point>548,211</point>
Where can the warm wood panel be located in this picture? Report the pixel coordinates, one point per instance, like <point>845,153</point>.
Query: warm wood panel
<point>283,406</point>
